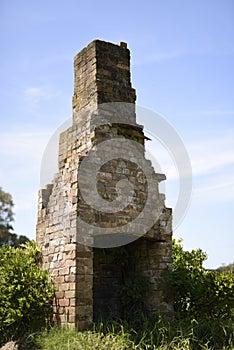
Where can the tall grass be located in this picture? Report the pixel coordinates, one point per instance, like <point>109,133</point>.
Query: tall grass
<point>68,339</point>
<point>159,335</point>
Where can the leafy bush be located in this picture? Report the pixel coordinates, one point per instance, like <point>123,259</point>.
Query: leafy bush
<point>199,293</point>
<point>132,297</point>
<point>229,267</point>
<point>25,292</point>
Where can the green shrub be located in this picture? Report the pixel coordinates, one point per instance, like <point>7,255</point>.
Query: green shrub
<point>199,293</point>
<point>25,292</point>
<point>132,297</point>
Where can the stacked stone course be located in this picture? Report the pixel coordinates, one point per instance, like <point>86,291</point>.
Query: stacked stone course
<point>87,281</point>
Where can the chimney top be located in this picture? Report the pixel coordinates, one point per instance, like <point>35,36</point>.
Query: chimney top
<point>123,44</point>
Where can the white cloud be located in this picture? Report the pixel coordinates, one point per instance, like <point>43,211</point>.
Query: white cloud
<point>21,153</point>
<point>36,94</point>
<point>160,57</point>
<point>219,188</point>
<point>163,55</point>
<point>208,156</point>
<point>209,113</point>
<point>23,144</point>
<point>212,168</point>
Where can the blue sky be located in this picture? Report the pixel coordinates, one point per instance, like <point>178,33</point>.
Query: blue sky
<point>182,67</point>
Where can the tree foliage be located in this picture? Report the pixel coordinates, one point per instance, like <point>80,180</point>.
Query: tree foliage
<point>6,212</point>
<point>6,219</point>
<point>229,267</point>
<point>25,291</point>
<point>197,292</point>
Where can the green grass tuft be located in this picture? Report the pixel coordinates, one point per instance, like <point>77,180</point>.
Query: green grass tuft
<point>180,335</point>
<point>65,338</point>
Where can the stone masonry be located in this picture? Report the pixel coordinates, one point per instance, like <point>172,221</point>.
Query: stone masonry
<point>88,275</point>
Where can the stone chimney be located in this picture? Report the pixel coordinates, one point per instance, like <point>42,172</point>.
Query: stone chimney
<point>81,244</point>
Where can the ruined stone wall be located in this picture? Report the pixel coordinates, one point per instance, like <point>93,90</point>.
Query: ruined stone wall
<point>85,280</point>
